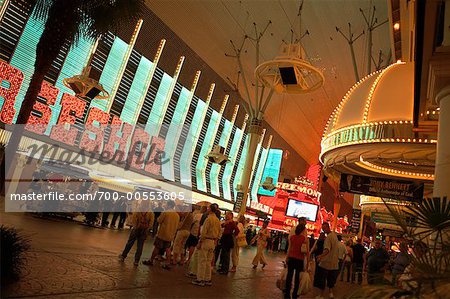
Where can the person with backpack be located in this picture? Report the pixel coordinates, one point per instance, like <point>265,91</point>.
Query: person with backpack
<point>141,222</point>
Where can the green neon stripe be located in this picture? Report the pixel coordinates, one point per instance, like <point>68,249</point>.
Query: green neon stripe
<point>137,90</point>
<point>172,134</point>
<point>215,168</point>
<point>258,174</point>
<point>271,169</point>
<point>186,156</point>
<point>158,105</point>
<point>111,71</point>
<point>229,166</point>
<point>241,162</point>
<point>201,163</point>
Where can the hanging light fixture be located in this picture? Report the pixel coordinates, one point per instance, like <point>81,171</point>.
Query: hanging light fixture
<point>290,72</point>
<point>217,155</point>
<point>86,85</point>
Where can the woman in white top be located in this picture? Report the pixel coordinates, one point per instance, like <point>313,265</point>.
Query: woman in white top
<point>236,248</point>
<point>261,239</point>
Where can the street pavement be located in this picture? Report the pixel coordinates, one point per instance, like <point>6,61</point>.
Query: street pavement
<point>71,260</point>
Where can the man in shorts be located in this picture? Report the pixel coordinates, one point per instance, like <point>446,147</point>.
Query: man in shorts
<point>168,225</point>
<point>328,267</point>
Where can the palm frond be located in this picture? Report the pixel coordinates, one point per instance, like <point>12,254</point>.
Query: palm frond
<point>100,16</point>
<point>433,213</point>
<point>427,225</point>
<point>41,8</point>
<point>398,215</point>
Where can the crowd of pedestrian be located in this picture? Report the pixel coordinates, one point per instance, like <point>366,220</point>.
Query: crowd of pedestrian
<point>203,240</point>
<point>329,258</point>
<point>207,239</point>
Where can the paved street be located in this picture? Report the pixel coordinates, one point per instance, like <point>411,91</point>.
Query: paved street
<point>70,260</point>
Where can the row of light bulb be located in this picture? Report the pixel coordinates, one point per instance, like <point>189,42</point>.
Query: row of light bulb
<point>386,122</point>
<point>378,140</point>
<point>400,172</point>
<point>337,110</point>
<point>372,90</point>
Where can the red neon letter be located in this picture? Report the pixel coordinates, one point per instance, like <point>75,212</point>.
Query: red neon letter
<point>109,149</point>
<point>94,145</point>
<point>39,124</point>
<point>139,142</point>
<point>153,163</point>
<point>15,79</point>
<point>71,107</point>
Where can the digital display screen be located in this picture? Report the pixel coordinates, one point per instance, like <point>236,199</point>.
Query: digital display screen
<point>298,209</point>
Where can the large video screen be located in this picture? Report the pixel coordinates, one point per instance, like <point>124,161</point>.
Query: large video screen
<point>297,209</point>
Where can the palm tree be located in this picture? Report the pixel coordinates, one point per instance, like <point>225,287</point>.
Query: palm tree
<point>67,21</point>
<point>425,225</point>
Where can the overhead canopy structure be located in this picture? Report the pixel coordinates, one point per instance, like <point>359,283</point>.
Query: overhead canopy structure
<point>208,26</point>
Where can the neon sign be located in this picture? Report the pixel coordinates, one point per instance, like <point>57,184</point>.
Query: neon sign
<point>261,207</point>
<point>72,107</point>
<point>301,180</point>
<point>15,78</point>
<point>299,188</point>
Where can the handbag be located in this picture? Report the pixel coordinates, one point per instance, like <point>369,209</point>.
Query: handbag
<point>281,282</point>
<point>304,248</point>
<point>241,241</point>
<point>305,283</point>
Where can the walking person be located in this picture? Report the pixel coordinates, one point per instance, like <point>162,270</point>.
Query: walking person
<point>230,231</point>
<point>297,252</point>
<point>358,251</point>
<point>208,237</point>
<point>302,221</point>
<point>236,249</point>
<point>122,218</point>
<point>276,243</point>
<point>347,264</point>
<point>141,222</point>
<point>342,253</point>
<point>168,224</point>
<point>316,250</point>
<point>261,239</point>
<point>376,262</point>
<point>181,237</point>
<point>328,267</point>
<point>249,234</point>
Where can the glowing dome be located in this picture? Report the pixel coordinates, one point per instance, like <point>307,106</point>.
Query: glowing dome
<point>371,130</point>
<point>385,95</point>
